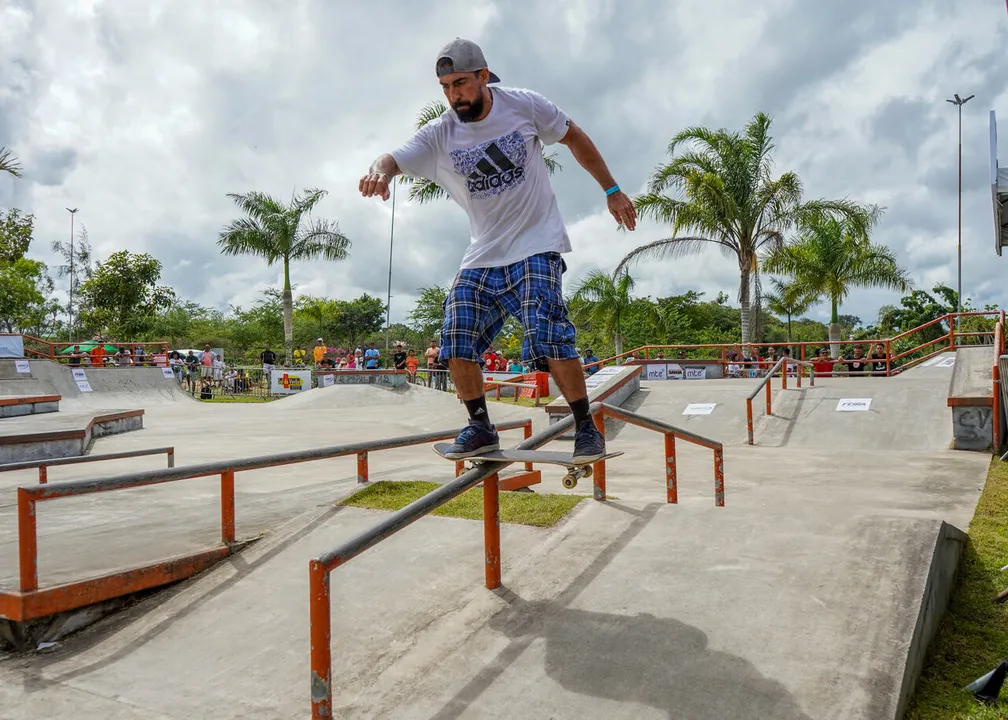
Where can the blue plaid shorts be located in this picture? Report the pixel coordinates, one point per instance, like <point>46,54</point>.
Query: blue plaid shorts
<point>530,290</point>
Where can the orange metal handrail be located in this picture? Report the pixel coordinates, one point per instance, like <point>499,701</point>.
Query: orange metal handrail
<point>44,465</point>
<point>999,349</point>
<point>30,602</point>
<point>765,383</point>
<point>319,568</point>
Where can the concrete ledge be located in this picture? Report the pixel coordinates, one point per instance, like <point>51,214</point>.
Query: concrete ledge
<point>19,405</point>
<point>971,398</point>
<point>63,435</point>
<point>934,601</point>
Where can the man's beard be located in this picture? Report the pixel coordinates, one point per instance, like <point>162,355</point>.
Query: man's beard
<point>468,112</point>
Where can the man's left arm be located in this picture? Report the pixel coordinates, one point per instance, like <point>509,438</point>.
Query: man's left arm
<point>589,157</point>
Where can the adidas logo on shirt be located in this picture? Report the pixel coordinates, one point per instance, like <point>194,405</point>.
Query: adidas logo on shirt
<point>494,171</point>
<point>492,167</point>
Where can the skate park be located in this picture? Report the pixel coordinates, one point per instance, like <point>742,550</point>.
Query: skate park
<point>807,585</point>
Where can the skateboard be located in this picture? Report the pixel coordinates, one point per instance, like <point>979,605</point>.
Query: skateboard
<point>563,459</point>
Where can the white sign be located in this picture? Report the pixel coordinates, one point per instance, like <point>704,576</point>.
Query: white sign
<point>596,379</point>
<point>78,374</point>
<point>854,405</point>
<point>328,380</point>
<point>84,386</point>
<point>695,373</point>
<point>168,373</point>
<point>655,372</point>
<point>22,366</point>
<point>674,372</point>
<point>288,382</point>
<point>946,362</point>
<point>699,409</point>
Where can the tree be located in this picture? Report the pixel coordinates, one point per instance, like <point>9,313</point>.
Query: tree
<point>9,163</point>
<point>730,200</point>
<point>832,257</point>
<point>359,318</point>
<point>25,292</point>
<point>78,259</point>
<point>427,316</point>
<point>423,190</point>
<point>787,299</point>
<point>606,302</point>
<point>122,297</point>
<point>279,232</point>
<point>15,234</point>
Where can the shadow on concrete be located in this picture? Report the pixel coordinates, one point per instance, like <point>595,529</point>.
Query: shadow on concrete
<point>660,662</point>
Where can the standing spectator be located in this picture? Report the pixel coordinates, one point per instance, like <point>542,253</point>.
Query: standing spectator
<point>371,356</point>
<point>591,357</point>
<point>319,351</point>
<point>207,363</point>
<point>412,362</point>
<point>299,356</point>
<point>399,358</point>
<point>75,357</point>
<point>856,364</point>
<point>140,356</point>
<point>192,369</point>
<point>878,358</point>
<point>822,363</point>
<point>268,359</point>
<point>175,363</point>
<point>98,354</point>
<point>432,357</point>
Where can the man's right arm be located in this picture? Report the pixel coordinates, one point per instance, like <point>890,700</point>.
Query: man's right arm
<point>417,158</point>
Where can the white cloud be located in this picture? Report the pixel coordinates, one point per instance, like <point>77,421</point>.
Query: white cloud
<point>144,115</point>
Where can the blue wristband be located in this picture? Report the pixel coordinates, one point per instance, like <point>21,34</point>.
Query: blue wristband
<point>613,189</point>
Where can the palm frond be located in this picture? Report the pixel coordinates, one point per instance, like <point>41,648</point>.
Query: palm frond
<point>423,190</point>
<point>553,164</point>
<point>9,163</point>
<point>307,202</point>
<point>430,112</point>
<point>259,205</point>
<point>248,236</point>
<point>664,248</point>
<point>322,239</point>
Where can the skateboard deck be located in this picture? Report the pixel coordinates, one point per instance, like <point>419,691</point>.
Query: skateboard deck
<point>563,459</point>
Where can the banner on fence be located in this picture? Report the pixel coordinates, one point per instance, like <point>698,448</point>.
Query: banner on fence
<point>288,382</point>
<point>11,346</point>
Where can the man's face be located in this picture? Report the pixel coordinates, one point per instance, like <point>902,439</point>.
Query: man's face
<point>465,93</point>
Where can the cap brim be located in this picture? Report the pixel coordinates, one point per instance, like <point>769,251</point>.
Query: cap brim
<point>493,76</point>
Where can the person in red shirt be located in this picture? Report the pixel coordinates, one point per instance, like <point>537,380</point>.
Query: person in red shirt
<point>492,360</point>
<point>822,363</point>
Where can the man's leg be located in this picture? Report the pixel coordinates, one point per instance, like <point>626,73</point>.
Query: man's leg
<point>550,334</point>
<point>472,318</point>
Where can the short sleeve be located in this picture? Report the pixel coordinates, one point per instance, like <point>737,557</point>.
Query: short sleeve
<point>418,157</point>
<point>551,122</point>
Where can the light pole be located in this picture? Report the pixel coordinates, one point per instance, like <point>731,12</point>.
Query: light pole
<point>959,102</point>
<point>388,305</point>
<point>72,213</point>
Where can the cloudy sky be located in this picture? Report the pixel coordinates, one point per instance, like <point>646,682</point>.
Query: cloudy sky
<point>145,114</point>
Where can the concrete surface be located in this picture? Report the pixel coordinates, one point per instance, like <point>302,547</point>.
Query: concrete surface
<point>19,405</point>
<point>63,434</point>
<point>972,376</point>
<point>802,598</point>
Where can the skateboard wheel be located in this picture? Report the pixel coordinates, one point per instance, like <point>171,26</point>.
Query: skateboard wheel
<point>587,471</point>
<point>569,481</point>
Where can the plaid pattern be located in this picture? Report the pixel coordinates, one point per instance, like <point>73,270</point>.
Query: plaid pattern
<point>481,299</point>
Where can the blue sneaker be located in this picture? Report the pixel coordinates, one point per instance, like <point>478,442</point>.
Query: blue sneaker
<point>589,445</point>
<point>475,439</point>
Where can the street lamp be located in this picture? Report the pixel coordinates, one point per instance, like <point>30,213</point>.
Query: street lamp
<point>958,101</point>
<point>72,213</point>
<point>388,304</point>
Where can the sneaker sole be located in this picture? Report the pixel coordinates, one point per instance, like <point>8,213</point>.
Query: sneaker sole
<point>587,459</point>
<point>481,451</point>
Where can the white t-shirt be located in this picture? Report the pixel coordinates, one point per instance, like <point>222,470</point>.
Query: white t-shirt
<point>494,169</point>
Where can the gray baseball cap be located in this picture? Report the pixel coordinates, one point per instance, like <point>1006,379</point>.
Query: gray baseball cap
<point>461,56</point>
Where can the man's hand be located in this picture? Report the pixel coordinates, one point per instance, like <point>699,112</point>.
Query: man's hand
<point>621,208</point>
<point>375,183</point>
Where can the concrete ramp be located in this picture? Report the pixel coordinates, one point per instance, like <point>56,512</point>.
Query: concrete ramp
<point>970,397</point>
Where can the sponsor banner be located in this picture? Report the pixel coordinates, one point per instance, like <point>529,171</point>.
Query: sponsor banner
<point>11,346</point>
<point>699,409</point>
<point>78,374</point>
<point>288,382</point>
<point>84,386</point>
<point>22,366</point>
<point>854,405</point>
<point>168,373</point>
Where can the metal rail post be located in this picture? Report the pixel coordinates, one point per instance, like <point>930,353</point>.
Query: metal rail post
<point>672,494</point>
<point>719,477</point>
<point>27,541</point>
<point>749,423</point>
<point>491,531</point>
<point>43,474</point>
<point>598,469</point>
<point>362,468</point>
<point>227,507</point>
<point>320,620</point>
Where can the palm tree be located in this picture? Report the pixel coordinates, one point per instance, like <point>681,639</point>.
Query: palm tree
<point>786,299</point>
<point>423,190</point>
<point>275,232</point>
<point>729,199</point>
<point>606,300</point>
<point>830,258</point>
<point>9,163</point>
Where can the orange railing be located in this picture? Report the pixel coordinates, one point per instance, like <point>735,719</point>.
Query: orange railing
<point>30,602</point>
<point>319,568</point>
<point>999,349</point>
<point>765,384</point>
<point>39,348</point>
<point>44,465</point>
<point>719,356</point>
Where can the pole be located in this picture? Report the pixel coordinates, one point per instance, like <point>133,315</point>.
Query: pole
<point>959,102</point>
<point>70,308</point>
<point>388,305</point>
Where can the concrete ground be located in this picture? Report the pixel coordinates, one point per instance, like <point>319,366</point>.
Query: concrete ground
<point>796,600</point>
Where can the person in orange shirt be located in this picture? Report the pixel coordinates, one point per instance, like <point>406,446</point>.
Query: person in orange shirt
<point>98,355</point>
<point>319,351</point>
<point>411,364</point>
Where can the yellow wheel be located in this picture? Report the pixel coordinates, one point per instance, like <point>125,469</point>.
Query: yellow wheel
<point>569,482</point>
<point>587,471</point>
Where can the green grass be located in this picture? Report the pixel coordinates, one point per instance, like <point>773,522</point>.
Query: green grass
<point>523,402</point>
<point>973,636</point>
<point>520,508</point>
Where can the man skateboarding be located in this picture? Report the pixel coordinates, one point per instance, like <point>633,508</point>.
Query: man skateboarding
<point>486,153</point>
